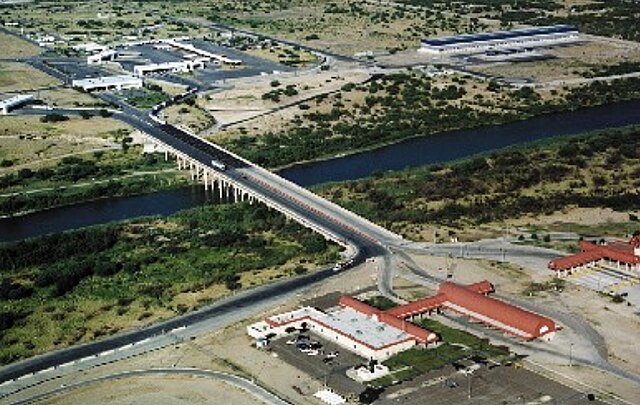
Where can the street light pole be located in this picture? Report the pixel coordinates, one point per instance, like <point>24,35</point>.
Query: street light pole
<point>469,394</point>
<point>571,355</point>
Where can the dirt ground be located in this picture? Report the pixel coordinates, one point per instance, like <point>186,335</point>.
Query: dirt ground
<point>158,390</point>
<point>242,99</point>
<point>27,140</point>
<point>22,77</point>
<point>13,47</point>
<point>65,97</point>
<point>192,118</point>
<point>569,61</point>
<point>583,216</point>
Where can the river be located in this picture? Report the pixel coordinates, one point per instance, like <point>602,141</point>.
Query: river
<point>410,153</point>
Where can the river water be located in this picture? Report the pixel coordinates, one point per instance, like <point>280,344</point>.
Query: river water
<point>410,153</point>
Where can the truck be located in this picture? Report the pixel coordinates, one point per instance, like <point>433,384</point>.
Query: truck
<point>218,165</point>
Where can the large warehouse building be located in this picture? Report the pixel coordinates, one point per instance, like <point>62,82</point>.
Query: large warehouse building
<point>619,255</point>
<point>469,43</point>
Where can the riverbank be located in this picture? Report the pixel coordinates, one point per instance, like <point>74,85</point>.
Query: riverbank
<point>400,107</point>
<point>596,170</point>
<point>74,287</point>
<point>418,152</point>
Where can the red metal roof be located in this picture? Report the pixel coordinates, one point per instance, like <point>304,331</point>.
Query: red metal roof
<point>422,335</point>
<point>362,307</point>
<point>590,252</point>
<point>482,287</point>
<point>417,307</point>
<point>431,303</point>
<point>512,316</point>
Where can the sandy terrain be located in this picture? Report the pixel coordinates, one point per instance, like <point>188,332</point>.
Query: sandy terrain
<point>65,97</point>
<point>242,99</point>
<point>21,77</point>
<point>13,47</point>
<point>583,216</point>
<point>25,139</point>
<point>570,61</point>
<point>158,390</point>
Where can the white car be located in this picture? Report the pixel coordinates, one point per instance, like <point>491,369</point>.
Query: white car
<point>291,341</point>
<point>312,352</point>
<point>332,355</point>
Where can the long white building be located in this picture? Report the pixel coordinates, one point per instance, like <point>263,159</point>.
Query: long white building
<point>469,43</point>
<point>174,67</point>
<point>108,83</point>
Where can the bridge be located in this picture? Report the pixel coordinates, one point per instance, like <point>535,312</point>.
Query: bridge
<point>240,180</point>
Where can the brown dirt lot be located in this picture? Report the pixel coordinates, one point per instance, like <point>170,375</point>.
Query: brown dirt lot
<point>13,47</point>
<point>25,139</point>
<point>243,100</point>
<point>64,97</point>
<point>158,390</point>
<point>569,62</point>
<point>22,77</point>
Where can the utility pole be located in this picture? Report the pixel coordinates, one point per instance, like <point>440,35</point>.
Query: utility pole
<point>469,379</point>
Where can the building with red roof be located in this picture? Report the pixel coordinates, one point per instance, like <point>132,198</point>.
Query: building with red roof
<point>355,325</point>
<point>620,254</point>
<point>376,334</point>
<point>473,301</point>
<point>495,313</point>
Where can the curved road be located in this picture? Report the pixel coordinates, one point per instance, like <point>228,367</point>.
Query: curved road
<point>246,385</point>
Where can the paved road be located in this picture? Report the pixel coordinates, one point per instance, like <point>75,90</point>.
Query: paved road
<point>248,386</point>
<point>595,352</point>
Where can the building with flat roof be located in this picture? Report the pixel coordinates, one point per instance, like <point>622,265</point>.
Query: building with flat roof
<point>361,329</point>
<point>174,67</point>
<point>106,55</point>
<point>7,105</point>
<point>108,83</point>
<point>619,254</point>
<point>469,43</point>
<point>189,48</point>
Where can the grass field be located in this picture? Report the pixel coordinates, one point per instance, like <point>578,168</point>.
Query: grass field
<point>27,140</point>
<point>22,77</point>
<point>457,345</point>
<point>13,47</point>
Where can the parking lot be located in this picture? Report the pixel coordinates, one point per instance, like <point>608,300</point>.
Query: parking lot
<point>497,385</point>
<point>329,371</point>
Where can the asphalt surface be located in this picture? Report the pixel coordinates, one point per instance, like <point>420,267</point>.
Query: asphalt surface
<point>242,383</point>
